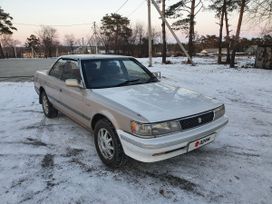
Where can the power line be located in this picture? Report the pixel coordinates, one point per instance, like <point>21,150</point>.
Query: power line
<point>121,6</point>
<point>56,25</point>
<point>139,6</point>
<point>79,24</point>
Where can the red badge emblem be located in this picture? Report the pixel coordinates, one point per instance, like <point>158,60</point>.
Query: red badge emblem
<point>197,144</point>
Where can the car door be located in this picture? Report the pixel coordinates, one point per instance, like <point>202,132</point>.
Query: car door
<point>54,83</point>
<point>72,98</point>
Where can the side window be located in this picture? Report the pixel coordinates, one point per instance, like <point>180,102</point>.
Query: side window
<point>57,69</point>
<point>71,71</point>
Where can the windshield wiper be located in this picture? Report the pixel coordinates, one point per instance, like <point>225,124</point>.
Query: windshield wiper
<point>127,82</point>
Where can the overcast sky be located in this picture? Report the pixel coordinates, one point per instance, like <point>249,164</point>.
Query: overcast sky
<point>65,15</point>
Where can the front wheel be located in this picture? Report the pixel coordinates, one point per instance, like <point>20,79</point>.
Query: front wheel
<point>108,145</point>
<point>48,109</point>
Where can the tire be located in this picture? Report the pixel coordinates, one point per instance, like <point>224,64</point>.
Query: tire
<point>48,109</point>
<point>108,145</point>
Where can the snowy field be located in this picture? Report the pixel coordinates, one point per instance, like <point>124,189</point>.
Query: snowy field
<point>54,160</point>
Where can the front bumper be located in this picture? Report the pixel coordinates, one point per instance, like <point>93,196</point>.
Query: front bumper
<point>164,147</point>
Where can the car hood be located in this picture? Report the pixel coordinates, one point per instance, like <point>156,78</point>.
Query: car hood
<point>159,101</point>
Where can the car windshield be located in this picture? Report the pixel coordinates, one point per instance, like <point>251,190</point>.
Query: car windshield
<point>107,73</point>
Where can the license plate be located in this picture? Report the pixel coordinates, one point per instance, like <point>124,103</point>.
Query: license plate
<point>200,142</point>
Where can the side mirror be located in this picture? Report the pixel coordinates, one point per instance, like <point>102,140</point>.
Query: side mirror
<point>157,74</point>
<point>72,83</point>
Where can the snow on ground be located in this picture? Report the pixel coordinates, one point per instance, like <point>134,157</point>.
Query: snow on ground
<point>54,160</point>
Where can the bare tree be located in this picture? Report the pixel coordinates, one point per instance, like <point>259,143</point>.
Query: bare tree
<point>136,40</point>
<point>138,34</point>
<point>222,8</point>
<point>70,41</point>
<point>8,42</point>
<point>48,36</point>
<point>155,35</point>
<point>260,12</point>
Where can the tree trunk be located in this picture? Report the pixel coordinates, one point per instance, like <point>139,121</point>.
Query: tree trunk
<point>50,51</point>
<point>227,37</point>
<point>141,46</point>
<point>116,50</point>
<point>219,59</point>
<point>1,51</point>
<point>236,39</point>
<point>163,35</point>
<point>191,31</point>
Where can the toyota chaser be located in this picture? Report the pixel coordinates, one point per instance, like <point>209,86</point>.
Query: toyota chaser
<point>129,111</point>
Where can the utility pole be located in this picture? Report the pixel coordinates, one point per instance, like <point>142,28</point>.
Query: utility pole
<point>149,33</point>
<point>95,38</point>
<point>164,49</point>
<point>32,52</point>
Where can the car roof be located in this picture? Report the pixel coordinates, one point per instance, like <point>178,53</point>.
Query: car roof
<point>93,56</point>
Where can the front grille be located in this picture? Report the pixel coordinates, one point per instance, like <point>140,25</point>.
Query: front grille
<point>197,120</point>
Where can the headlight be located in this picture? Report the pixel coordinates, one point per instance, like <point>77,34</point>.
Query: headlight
<point>140,129</point>
<point>219,112</point>
<point>165,127</point>
<point>155,128</point>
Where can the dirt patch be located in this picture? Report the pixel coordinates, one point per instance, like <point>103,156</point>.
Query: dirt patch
<point>38,126</point>
<point>72,152</point>
<point>29,196</point>
<point>134,175</point>
<point>169,194</point>
<point>174,181</point>
<point>31,111</point>
<point>48,161</point>
<point>231,151</point>
<point>35,142</point>
<point>48,170</point>
<point>246,154</point>
<point>83,166</point>
<point>17,184</point>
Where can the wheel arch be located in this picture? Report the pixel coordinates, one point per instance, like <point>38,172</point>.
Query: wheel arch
<point>107,116</point>
<point>41,89</point>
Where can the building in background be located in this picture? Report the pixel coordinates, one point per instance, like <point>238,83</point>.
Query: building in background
<point>264,57</point>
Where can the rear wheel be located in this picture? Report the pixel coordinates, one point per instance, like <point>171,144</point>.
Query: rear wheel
<point>48,109</point>
<point>108,145</point>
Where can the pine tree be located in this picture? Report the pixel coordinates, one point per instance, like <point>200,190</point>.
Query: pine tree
<point>189,8</point>
<point>6,27</point>
<point>116,32</point>
<point>33,43</point>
